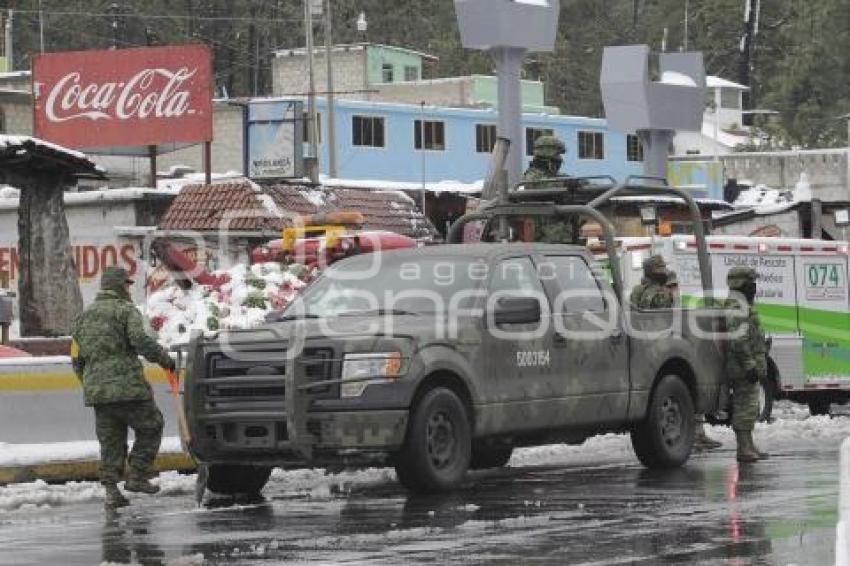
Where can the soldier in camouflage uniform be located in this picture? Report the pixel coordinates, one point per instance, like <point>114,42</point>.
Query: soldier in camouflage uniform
<point>746,361</point>
<point>108,338</point>
<point>660,290</point>
<point>546,164</point>
<point>547,159</point>
<point>652,292</point>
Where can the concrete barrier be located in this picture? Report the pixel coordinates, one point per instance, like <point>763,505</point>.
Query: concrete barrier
<point>842,531</point>
<point>41,401</point>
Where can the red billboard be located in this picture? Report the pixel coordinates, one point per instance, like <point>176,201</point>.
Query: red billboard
<point>124,97</point>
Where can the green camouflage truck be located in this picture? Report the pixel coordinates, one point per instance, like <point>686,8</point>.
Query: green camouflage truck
<point>442,359</point>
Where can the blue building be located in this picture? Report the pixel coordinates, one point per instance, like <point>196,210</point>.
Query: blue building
<point>404,142</point>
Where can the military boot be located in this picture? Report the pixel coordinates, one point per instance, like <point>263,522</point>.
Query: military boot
<point>746,449</point>
<point>762,455</point>
<point>114,497</point>
<point>140,485</point>
<point>703,442</point>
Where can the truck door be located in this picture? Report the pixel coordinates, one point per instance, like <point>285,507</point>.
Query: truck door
<point>520,381</point>
<point>590,356</point>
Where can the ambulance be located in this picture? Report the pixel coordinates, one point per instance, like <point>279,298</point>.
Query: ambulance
<point>802,302</point>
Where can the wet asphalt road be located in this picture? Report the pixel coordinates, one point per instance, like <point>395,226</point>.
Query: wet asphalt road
<point>782,511</point>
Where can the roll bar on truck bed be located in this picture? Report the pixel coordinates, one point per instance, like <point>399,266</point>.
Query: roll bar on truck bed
<point>524,203</point>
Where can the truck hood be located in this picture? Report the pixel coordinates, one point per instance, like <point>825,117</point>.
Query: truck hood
<point>420,327</point>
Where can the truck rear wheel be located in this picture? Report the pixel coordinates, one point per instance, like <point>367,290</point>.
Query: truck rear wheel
<point>819,406</point>
<point>230,479</point>
<point>438,445</point>
<point>665,437</point>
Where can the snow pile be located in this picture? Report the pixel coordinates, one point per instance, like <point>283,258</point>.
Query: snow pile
<point>767,200</point>
<point>242,302</point>
<point>7,192</point>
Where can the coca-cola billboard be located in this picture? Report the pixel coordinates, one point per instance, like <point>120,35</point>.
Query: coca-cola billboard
<point>125,97</point>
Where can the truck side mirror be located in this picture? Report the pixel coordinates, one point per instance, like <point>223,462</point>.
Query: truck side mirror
<point>517,310</point>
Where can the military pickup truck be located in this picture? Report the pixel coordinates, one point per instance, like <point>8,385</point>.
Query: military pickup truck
<point>443,359</point>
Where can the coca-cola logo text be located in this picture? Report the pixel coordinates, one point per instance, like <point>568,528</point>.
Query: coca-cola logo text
<point>156,93</point>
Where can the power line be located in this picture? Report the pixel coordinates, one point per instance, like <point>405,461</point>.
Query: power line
<point>160,16</point>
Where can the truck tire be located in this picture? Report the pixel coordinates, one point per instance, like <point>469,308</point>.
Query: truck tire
<point>486,456</point>
<point>665,437</point>
<point>232,479</point>
<point>438,446</point>
<point>819,406</point>
<point>767,391</point>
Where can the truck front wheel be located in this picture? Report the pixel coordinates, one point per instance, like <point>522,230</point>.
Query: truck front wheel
<point>665,437</point>
<point>438,445</point>
<point>230,479</point>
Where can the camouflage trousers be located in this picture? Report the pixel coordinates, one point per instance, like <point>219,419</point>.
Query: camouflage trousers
<point>111,423</point>
<point>745,404</point>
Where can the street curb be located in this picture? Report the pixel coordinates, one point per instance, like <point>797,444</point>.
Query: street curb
<point>81,470</point>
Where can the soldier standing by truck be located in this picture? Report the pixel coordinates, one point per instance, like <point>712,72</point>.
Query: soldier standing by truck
<point>660,290</point>
<point>108,338</point>
<point>746,361</point>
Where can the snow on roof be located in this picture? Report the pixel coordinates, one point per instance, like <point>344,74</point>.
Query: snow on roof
<point>341,47</point>
<point>12,141</point>
<point>9,198</point>
<point>712,81</point>
<point>727,139</point>
<point>196,178</point>
<point>432,187</point>
<point>14,74</point>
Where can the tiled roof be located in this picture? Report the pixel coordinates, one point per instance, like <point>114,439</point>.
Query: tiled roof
<point>244,206</point>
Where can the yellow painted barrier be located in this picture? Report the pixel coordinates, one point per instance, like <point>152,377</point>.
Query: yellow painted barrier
<point>54,377</point>
<point>82,470</point>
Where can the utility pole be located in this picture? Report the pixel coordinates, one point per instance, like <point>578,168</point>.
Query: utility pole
<point>422,149</point>
<point>10,52</point>
<point>313,163</point>
<point>113,8</point>
<point>332,170</point>
<point>41,25</point>
<point>687,22</point>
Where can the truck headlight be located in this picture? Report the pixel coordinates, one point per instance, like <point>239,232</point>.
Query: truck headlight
<point>364,369</point>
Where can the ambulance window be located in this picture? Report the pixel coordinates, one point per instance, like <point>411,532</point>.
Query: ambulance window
<point>580,290</point>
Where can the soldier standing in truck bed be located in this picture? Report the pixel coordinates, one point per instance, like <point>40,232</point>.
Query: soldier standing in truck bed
<point>108,338</point>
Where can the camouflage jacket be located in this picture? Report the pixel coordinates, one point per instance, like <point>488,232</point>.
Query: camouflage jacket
<point>535,174</point>
<point>651,295</point>
<point>108,338</point>
<point>749,350</point>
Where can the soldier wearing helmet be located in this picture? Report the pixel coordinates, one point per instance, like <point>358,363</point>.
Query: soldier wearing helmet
<point>746,359</point>
<point>108,338</point>
<point>547,159</point>
<point>652,292</point>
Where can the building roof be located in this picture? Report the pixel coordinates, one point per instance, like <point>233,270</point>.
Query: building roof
<point>342,47</point>
<point>244,206</point>
<point>14,75</point>
<point>18,152</point>
<point>712,81</point>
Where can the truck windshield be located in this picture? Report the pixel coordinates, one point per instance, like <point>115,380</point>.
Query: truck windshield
<point>391,285</point>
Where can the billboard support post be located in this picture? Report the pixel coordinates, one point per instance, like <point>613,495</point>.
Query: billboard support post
<point>152,157</point>
<point>208,163</point>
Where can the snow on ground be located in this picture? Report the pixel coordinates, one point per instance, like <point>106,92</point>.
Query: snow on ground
<point>242,302</point>
<point>793,427</point>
